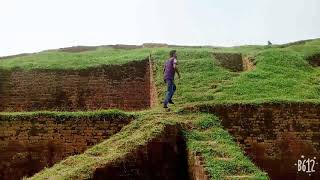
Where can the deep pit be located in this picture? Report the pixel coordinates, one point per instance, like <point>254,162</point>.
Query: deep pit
<point>235,62</point>
<point>164,157</point>
<point>30,143</point>
<point>274,136</point>
<point>314,60</point>
<point>126,87</point>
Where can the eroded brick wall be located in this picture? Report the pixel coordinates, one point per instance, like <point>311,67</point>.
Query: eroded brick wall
<point>314,60</point>
<point>196,166</point>
<point>274,135</point>
<point>248,63</point>
<point>125,87</point>
<point>163,157</point>
<point>28,144</point>
<point>231,61</point>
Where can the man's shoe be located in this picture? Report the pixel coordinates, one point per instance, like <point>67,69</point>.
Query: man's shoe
<point>171,102</point>
<point>165,106</point>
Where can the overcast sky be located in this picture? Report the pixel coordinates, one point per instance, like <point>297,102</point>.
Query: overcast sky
<point>35,25</point>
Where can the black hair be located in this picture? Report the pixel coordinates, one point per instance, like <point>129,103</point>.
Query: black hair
<point>172,52</point>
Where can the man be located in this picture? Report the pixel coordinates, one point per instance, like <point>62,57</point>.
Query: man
<point>169,71</point>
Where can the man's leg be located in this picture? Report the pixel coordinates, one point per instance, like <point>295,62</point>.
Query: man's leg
<point>173,90</point>
<point>170,90</point>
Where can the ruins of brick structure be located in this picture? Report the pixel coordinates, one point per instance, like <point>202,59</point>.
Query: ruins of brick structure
<point>235,62</point>
<point>30,143</point>
<point>274,136</point>
<point>314,60</point>
<point>128,87</point>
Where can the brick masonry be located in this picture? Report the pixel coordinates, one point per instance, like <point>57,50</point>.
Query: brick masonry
<point>196,166</point>
<point>248,63</point>
<point>235,62</point>
<point>126,87</point>
<point>231,61</point>
<point>163,157</point>
<point>29,144</point>
<point>314,60</point>
<point>274,135</point>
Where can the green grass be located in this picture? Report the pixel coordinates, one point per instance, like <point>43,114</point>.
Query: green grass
<point>199,74</point>
<point>112,114</point>
<point>82,166</point>
<point>282,74</point>
<point>222,156</point>
<point>148,126</point>
<point>67,60</point>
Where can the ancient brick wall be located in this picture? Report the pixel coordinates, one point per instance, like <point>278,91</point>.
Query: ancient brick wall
<point>153,89</point>
<point>196,166</point>
<point>235,61</point>
<point>274,135</point>
<point>314,60</point>
<point>231,61</point>
<point>28,144</point>
<point>125,87</point>
<point>248,63</point>
<point>163,157</point>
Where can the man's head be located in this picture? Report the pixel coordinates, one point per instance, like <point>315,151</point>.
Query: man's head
<point>173,54</point>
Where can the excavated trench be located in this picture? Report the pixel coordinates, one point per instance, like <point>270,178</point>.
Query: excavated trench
<point>235,62</point>
<point>34,147</point>
<point>275,136</point>
<point>314,60</point>
<point>164,157</point>
<point>30,143</point>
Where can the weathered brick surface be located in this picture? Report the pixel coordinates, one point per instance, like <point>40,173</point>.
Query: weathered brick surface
<point>274,135</point>
<point>32,143</point>
<point>163,157</point>
<point>314,60</point>
<point>124,87</point>
<point>232,61</point>
<point>248,64</point>
<point>196,167</point>
<point>235,61</point>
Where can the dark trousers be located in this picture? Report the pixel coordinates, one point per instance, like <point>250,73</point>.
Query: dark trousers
<point>171,88</point>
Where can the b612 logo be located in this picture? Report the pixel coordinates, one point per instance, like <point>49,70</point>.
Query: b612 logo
<point>306,165</point>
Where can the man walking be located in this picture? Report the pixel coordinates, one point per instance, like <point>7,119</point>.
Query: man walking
<point>169,71</point>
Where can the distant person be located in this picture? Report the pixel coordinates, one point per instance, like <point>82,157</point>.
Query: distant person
<point>169,70</point>
<point>269,43</point>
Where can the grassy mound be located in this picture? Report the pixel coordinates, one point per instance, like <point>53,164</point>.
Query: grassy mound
<point>206,137</point>
<point>68,60</point>
<point>282,74</point>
